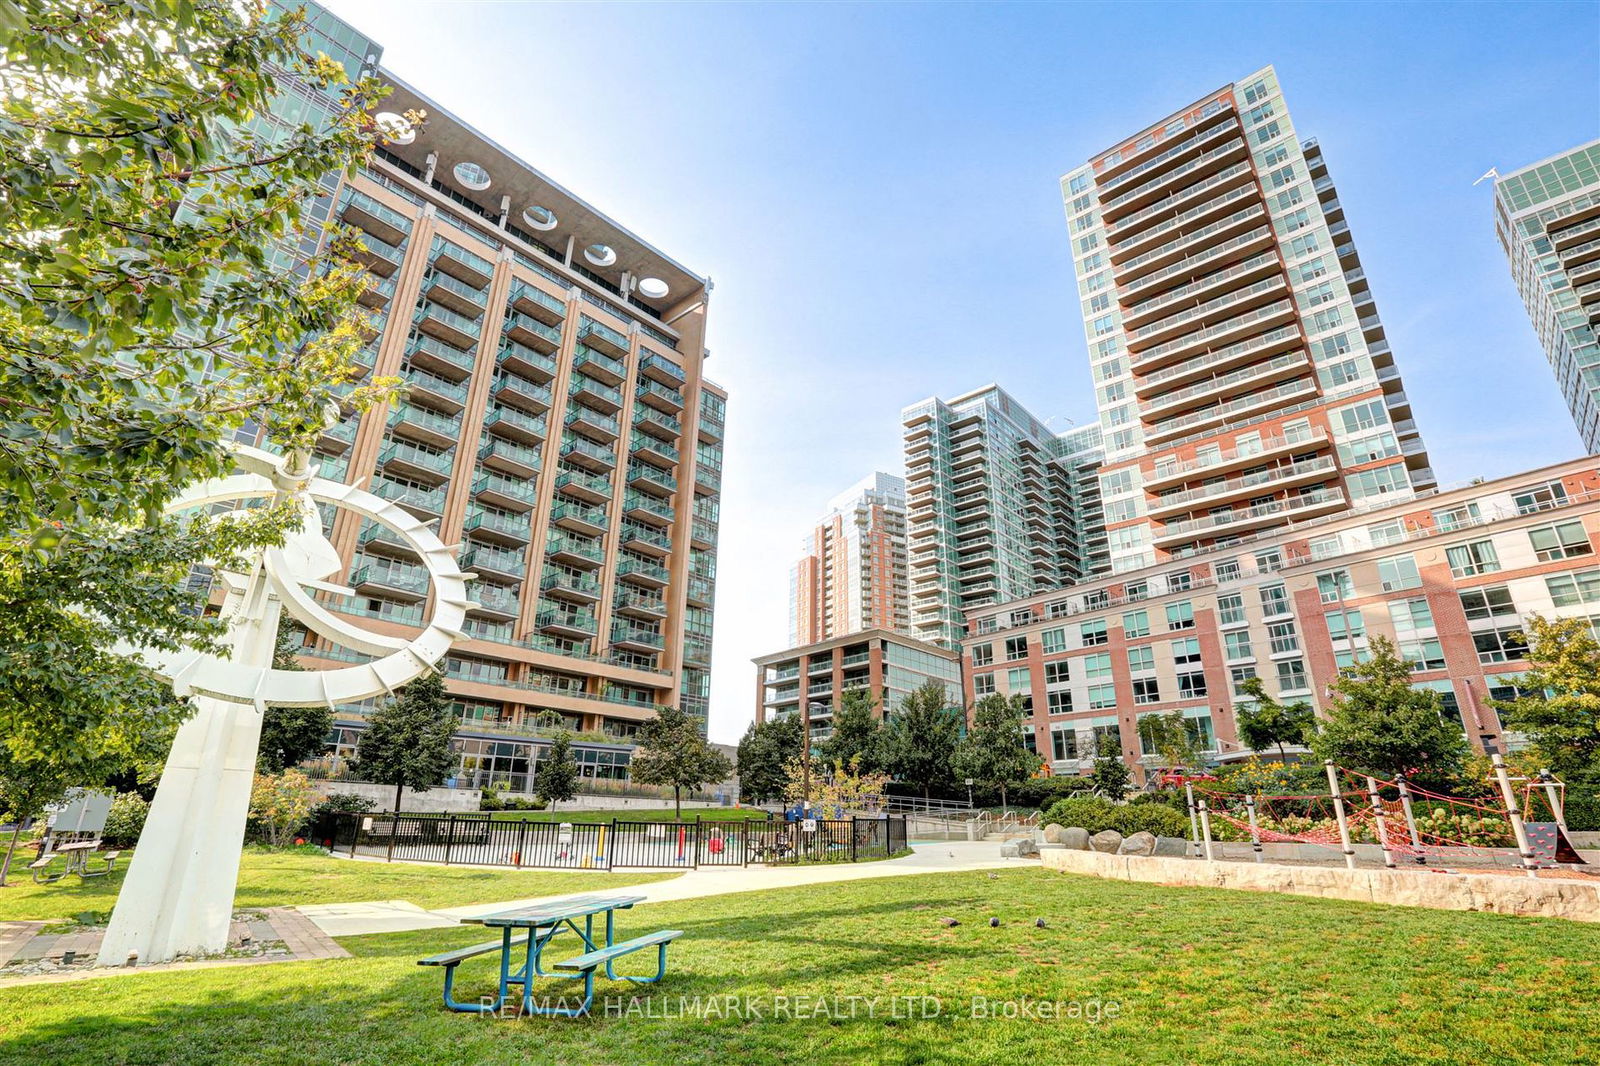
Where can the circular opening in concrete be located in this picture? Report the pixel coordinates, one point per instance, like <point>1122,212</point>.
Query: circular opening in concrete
<point>472,176</point>
<point>601,255</point>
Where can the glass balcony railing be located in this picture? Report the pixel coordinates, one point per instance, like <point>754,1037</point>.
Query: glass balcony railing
<point>420,497</point>
<point>649,417</point>
<point>578,479</point>
<point>577,512</point>
<point>510,525</point>
<point>647,390</point>
<point>405,452</point>
<point>511,488</point>
<point>578,546</point>
<point>596,362</point>
<point>510,418</point>
<point>643,442</point>
<point>654,366</point>
<point>638,501</point>
<point>421,343</point>
<point>403,577</point>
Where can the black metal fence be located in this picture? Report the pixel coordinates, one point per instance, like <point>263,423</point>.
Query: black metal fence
<point>483,841</point>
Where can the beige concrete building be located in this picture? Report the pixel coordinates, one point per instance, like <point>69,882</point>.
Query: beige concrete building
<point>851,574</point>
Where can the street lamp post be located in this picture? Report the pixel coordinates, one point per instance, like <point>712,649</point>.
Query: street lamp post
<point>805,755</point>
<point>969,792</point>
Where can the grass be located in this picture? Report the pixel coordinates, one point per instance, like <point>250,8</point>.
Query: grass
<point>289,878</point>
<point>1198,976</point>
<point>636,814</point>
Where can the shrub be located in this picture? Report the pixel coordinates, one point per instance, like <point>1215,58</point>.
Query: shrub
<point>280,805</point>
<point>1169,798</point>
<point>1095,814</point>
<point>125,820</point>
<point>1153,818</point>
<point>1041,792</point>
<point>1086,812</point>
<point>341,803</point>
<point>1582,810</point>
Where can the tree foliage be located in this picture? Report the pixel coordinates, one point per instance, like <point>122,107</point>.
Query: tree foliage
<point>857,733</point>
<point>835,790</point>
<point>764,752</point>
<point>153,299</point>
<point>1264,722</point>
<point>556,779</point>
<point>672,752</point>
<point>1560,708</point>
<point>992,753</point>
<point>407,740</point>
<point>921,739</point>
<point>1110,776</point>
<point>1171,738</point>
<point>1378,724</point>
<point>280,804</point>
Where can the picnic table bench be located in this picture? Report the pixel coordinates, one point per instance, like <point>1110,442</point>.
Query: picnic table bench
<point>543,923</point>
<point>76,855</point>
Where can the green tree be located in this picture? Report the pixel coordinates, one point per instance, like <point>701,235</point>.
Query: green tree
<point>1110,776</point>
<point>992,753</point>
<point>921,739</point>
<point>764,752</point>
<point>1559,710</point>
<point>407,740</point>
<point>1264,722</point>
<point>1169,737</point>
<point>857,733</point>
<point>557,776</point>
<point>151,303</point>
<point>672,752</point>
<point>1378,724</point>
<point>26,789</point>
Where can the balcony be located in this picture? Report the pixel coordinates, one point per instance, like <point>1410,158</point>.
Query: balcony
<point>707,478</point>
<point>659,396</point>
<point>405,581</point>
<point>567,622</point>
<point>529,331</point>
<point>1187,295</point>
<point>459,263</point>
<point>1277,396</point>
<point>644,572</point>
<point>571,585</point>
<point>1114,176</point>
<point>1190,267</point>
<point>1130,198</point>
<point>498,526</point>
<point>1184,245</point>
<point>579,518</point>
<point>420,500</point>
<point>662,370</point>
<point>645,540</point>
<point>507,493</point>
<point>595,394</point>
<point>711,428</point>
<point>638,603</point>
<point>577,551</point>
<point>405,460</point>
<point>456,330</point>
<point>455,294</point>
<point>647,509</point>
<point>510,457</point>
<point>1266,372</point>
<point>590,423</point>
<point>524,360</point>
<point>1238,173</point>
<point>1216,363</point>
<point>434,391</point>
<point>657,424</point>
<point>495,562</point>
<point>702,534</point>
<point>512,424</point>
<point>337,438</point>
<point>380,257</point>
<point>377,218</point>
<point>515,391</point>
<point>498,601</point>
<point>532,300</point>
<point>1225,332</point>
<point>377,294</point>
<point>377,539</point>
<point>636,637</point>
<point>581,485</point>
<point>1232,458</point>
<point>647,478</point>
<point>1229,303</point>
<point>600,336</point>
<point>438,357</point>
<point>700,590</point>
<point>1145,239</point>
<point>1278,477</point>
<point>587,454</point>
<point>653,450</point>
<point>597,364</point>
<point>1292,509</point>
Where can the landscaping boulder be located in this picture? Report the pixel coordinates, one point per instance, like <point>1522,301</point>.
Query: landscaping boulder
<point>1138,844</point>
<point>1052,833</point>
<point>1075,839</point>
<point>1171,847</point>
<point>1107,840</point>
<point>1027,848</point>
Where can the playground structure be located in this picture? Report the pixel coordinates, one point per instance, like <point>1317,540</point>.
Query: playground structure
<point>1409,824</point>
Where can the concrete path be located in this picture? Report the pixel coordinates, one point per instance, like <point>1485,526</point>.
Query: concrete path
<point>396,916</point>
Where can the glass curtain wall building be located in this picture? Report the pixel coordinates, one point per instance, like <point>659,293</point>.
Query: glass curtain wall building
<point>1242,375</point>
<point>1547,217</point>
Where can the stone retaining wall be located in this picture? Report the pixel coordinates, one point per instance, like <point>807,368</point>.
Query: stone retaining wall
<point>1551,898</point>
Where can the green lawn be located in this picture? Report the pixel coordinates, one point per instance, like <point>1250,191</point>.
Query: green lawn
<point>270,879</point>
<point>1198,976</point>
<point>634,814</point>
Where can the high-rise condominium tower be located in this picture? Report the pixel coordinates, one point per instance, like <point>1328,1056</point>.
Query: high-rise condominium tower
<point>1548,219</point>
<point>997,503</point>
<point>851,575</point>
<point>1242,375</point>
<point>558,426</point>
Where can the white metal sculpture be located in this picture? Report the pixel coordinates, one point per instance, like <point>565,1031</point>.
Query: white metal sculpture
<point>177,898</point>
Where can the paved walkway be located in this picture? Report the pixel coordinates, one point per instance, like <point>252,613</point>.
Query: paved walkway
<point>395,916</point>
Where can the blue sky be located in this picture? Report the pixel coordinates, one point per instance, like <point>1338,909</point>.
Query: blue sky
<point>874,191</point>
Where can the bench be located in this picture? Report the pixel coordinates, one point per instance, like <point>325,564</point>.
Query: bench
<point>451,959</point>
<point>39,867</point>
<point>110,859</point>
<point>589,961</point>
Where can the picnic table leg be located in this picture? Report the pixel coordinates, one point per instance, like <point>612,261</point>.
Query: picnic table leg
<point>529,969</point>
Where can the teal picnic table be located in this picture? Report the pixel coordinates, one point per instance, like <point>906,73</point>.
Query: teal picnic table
<point>543,923</point>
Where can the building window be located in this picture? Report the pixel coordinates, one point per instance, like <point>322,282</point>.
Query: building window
<point>1335,586</point>
<point>1494,601</point>
<point>1186,651</point>
<point>1292,676</point>
<point>1561,541</point>
<point>1052,641</point>
<point>1141,658</point>
<point>1539,498</point>
<point>1462,516</point>
<point>1064,744</point>
<point>1346,625</point>
<point>1180,615</point>
<point>1108,739</point>
<point>1191,686</point>
<point>1274,600</point>
<point>1136,590</point>
<point>1226,570</point>
<point>1478,557</point>
<point>1238,675</point>
<point>1016,648</point>
<point>1018,681</point>
<point>1426,654</point>
<point>1022,616</point>
<point>1398,573</point>
<point>982,684</point>
<point>1236,645</point>
<point>982,654</point>
<point>1059,701</point>
<point>1230,609</point>
<point>1093,633</point>
<point>1102,697</point>
<point>1500,645</point>
<point>1136,624</point>
<point>1097,665</point>
<point>1568,590</point>
<point>1146,690</point>
<point>1410,616</point>
<point>1282,638</point>
<point>1058,672</point>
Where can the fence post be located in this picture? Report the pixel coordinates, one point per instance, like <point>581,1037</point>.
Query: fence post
<point>1338,814</point>
<point>1255,831</point>
<point>1517,830</point>
<point>1194,822</point>
<point>449,837</point>
<point>1411,819</point>
<point>852,838</point>
<point>522,837</point>
<point>1205,829</point>
<point>394,827</point>
<point>1383,826</point>
<point>611,843</point>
